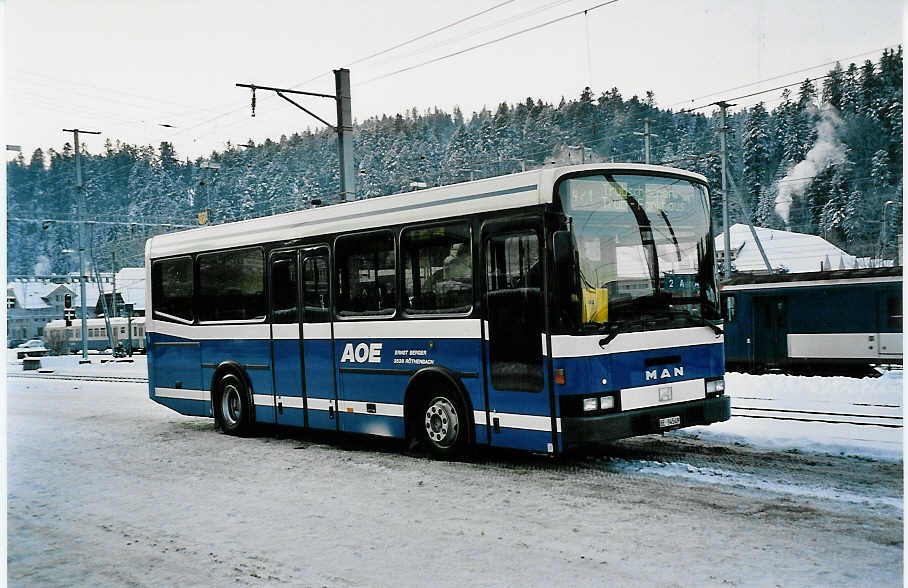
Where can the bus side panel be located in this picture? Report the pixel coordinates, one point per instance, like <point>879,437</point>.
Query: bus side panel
<point>175,375</point>
<point>288,382</point>
<point>255,357</point>
<point>380,377</point>
<point>319,372</point>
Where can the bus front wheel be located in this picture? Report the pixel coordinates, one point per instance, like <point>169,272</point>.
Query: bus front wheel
<point>233,405</point>
<point>443,426</point>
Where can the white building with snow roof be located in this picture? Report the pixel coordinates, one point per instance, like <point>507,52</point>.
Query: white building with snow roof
<point>795,252</point>
<point>31,304</point>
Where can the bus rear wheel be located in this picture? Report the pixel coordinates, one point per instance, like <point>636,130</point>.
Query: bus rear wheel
<point>233,405</point>
<point>443,426</point>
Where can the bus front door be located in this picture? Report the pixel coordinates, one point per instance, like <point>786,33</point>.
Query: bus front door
<point>519,407</point>
<point>285,339</point>
<point>317,340</point>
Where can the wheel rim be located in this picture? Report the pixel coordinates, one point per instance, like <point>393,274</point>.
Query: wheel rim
<point>231,405</point>
<point>441,423</point>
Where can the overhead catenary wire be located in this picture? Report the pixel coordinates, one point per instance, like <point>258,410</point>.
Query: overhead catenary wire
<point>780,76</point>
<point>410,41</point>
<point>486,43</point>
<point>357,61</point>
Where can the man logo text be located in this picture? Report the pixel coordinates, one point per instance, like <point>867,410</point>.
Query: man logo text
<point>362,353</point>
<point>665,373</point>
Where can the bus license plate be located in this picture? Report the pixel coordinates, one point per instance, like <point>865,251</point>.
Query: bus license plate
<point>669,422</point>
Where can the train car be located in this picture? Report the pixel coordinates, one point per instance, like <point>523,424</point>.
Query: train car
<point>63,339</point>
<point>842,322</point>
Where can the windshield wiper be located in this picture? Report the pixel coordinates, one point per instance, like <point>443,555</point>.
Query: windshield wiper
<point>672,233</point>
<point>699,320</point>
<point>615,328</point>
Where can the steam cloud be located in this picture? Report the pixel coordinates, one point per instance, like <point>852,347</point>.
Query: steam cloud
<point>827,150</point>
<point>42,266</point>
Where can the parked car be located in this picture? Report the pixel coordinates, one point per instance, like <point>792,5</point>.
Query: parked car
<point>31,348</point>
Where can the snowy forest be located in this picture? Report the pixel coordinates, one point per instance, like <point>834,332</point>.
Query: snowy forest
<point>824,159</point>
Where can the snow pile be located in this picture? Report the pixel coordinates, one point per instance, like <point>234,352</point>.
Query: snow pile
<point>878,397</point>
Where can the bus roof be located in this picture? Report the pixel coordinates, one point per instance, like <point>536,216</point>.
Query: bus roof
<point>485,195</point>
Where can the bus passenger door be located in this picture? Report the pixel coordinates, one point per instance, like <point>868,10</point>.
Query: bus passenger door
<point>317,340</point>
<point>519,407</point>
<point>285,339</point>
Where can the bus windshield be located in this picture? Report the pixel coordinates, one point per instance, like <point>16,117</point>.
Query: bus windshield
<point>644,252</point>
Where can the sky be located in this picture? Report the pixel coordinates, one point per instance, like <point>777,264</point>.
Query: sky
<point>125,67</point>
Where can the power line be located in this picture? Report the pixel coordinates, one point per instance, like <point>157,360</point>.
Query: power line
<point>784,75</point>
<point>62,221</point>
<point>473,33</point>
<point>487,43</point>
<point>759,93</point>
<point>361,60</point>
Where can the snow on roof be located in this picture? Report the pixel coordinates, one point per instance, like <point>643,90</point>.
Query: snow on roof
<point>798,252</point>
<point>32,295</point>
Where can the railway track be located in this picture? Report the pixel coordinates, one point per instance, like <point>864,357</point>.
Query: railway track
<point>750,412</point>
<point>814,416</point>
<point>85,378</point>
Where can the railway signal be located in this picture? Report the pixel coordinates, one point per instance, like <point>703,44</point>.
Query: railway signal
<point>69,313</point>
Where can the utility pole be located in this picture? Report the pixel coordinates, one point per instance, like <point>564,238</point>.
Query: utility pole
<point>113,298</point>
<point>344,132</point>
<point>83,238</point>
<point>726,266</point>
<point>646,135</point>
<point>208,165</point>
<point>343,128</point>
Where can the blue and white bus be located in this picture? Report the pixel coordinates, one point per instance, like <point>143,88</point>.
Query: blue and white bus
<point>546,311</point>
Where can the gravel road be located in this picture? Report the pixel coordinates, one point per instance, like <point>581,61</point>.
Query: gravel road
<point>108,488</point>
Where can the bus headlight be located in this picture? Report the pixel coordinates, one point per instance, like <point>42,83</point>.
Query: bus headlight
<point>607,402</point>
<point>715,387</point>
<point>590,404</point>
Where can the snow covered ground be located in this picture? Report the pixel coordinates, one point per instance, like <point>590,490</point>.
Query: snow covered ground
<point>872,401</point>
<point>109,488</point>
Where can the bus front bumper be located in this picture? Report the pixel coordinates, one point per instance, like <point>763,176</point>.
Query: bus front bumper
<point>578,432</point>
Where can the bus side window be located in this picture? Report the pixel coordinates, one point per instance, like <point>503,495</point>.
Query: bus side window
<point>283,291</point>
<point>232,285</point>
<point>438,270</point>
<point>171,285</point>
<point>316,293</point>
<point>366,275</point>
